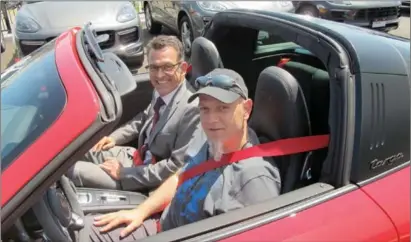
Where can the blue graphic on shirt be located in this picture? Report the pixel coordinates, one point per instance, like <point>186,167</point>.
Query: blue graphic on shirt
<point>191,194</point>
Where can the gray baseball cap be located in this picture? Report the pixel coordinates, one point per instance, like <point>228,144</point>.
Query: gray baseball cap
<point>223,84</point>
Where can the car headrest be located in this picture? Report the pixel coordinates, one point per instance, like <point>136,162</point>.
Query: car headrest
<point>204,58</point>
<point>280,110</point>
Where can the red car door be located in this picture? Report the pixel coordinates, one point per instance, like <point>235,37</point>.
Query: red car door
<point>80,100</point>
<point>350,217</point>
<point>43,119</point>
<point>392,194</point>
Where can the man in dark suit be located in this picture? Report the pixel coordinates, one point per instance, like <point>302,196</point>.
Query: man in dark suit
<point>163,130</point>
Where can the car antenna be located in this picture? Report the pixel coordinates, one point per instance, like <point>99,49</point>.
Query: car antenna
<point>91,39</point>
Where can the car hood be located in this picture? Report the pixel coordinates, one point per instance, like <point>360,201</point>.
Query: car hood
<point>57,15</point>
<point>366,4</point>
<point>259,5</point>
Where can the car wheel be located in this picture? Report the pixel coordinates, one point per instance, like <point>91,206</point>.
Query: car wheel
<point>2,48</point>
<point>152,27</point>
<point>186,35</point>
<point>308,10</point>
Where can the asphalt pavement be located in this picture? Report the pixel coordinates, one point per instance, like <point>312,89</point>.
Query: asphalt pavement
<point>404,27</point>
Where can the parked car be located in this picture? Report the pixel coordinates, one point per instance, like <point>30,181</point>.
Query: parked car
<point>3,46</point>
<point>381,15</point>
<point>38,22</point>
<point>405,5</point>
<point>307,76</point>
<point>13,4</point>
<point>188,18</point>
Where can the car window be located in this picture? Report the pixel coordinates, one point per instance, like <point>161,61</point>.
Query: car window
<point>265,38</point>
<point>269,43</point>
<point>32,98</point>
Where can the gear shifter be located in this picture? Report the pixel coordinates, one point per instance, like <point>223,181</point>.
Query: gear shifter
<point>45,238</point>
<point>76,222</point>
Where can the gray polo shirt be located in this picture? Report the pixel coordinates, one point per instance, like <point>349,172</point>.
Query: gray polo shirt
<point>218,191</point>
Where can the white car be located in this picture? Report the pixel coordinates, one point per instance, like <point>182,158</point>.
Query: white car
<point>3,47</point>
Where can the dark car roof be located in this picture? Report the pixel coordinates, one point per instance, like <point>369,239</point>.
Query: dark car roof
<point>377,52</point>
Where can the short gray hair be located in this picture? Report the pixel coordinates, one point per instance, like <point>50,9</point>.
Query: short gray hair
<point>161,41</point>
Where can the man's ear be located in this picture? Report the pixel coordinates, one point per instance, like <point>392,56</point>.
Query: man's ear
<point>248,107</point>
<point>183,67</point>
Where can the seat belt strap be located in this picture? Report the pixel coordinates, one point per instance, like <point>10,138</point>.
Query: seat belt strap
<point>271,149</point>
<point>283,61</point>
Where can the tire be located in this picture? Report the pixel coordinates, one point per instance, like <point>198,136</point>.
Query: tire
<point>309,10</point>
<point>152,27</point>
<point>186,37</point>
<point>2,43</point>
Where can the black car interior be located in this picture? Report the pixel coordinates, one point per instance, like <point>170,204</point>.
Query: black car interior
<point>289,101</point>
<point>296,108</point>
<point>280,111</point>
<point>204,58</point>
<point>303,70</point>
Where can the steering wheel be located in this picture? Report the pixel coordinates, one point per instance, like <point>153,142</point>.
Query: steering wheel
<point>60,214</point>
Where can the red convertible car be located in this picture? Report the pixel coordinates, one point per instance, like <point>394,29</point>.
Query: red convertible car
<point>309,76</point>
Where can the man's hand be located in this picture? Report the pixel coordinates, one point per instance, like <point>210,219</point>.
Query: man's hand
<point>112,167</point>
<point>129,217</point>
<point>104,144</point>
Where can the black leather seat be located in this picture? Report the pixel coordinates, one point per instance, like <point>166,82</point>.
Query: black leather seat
<point>316,86</point>
<point>204,58</point>
<point>280,112</point>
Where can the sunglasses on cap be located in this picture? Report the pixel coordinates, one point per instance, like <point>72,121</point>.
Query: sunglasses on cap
<point>220,81</point>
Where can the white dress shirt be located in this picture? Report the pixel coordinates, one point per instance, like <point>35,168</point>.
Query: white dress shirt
<point>167,99</point>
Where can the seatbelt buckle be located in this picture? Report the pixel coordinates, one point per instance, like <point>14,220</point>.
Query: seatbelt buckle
<point>149,158</point>
<point>283,61</point>
<point>158,226</point>
<point>137,159</point>
<point>306,169</point>
<point>153,159</point>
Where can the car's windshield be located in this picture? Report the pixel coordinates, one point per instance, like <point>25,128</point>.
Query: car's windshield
<point>32,97</point>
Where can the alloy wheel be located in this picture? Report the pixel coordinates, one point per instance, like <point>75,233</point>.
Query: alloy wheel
<point>186,37</point>
<point>147,16</point>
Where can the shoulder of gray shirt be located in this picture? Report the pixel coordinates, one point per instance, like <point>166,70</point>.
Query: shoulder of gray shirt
<point>260,166</point>
<point>200,139</point>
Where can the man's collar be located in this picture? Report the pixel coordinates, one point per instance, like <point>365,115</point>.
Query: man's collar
<point>167,98</point>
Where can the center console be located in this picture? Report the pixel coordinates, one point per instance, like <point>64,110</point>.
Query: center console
<point>104,201</point>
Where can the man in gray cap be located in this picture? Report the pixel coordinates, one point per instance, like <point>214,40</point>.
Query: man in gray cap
<point>224,111</point>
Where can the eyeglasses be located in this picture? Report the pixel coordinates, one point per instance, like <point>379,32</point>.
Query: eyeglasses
<point>221,81</point>
<point>167,68</point>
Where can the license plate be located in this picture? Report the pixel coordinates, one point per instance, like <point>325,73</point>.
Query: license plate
<point>379,24</point>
